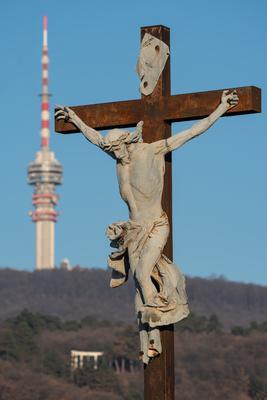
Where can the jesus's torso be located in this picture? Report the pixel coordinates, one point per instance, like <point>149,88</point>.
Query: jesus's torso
<point>141,182</point>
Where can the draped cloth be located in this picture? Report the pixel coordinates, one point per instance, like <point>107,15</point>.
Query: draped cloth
<point>132,240</point>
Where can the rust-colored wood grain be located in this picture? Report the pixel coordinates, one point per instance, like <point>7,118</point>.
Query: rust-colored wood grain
<point>159,373</point>
<point>179,107</point>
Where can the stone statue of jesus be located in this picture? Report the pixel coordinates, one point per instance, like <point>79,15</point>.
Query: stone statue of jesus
<point>160,289</point>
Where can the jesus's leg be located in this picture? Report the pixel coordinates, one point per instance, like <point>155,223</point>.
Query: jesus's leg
<point>149,337</point>
<point>148,258</point>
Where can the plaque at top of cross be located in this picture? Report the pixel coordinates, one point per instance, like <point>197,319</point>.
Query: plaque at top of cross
<point>143,158</point>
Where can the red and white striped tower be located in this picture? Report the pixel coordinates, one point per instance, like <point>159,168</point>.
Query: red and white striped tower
<point>45,172</point>
<point>45,95</point>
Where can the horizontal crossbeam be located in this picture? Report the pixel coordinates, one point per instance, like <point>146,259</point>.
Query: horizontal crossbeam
<point>180,107</point>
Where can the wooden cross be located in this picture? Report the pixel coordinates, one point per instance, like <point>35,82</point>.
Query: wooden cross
<point>158,111</point>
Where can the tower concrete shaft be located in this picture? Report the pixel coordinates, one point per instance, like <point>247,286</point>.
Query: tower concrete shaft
<point>44,173</point>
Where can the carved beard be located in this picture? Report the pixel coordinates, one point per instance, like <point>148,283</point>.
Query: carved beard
<point>125,159</point>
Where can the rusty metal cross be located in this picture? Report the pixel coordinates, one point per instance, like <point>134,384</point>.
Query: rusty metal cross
<point>158,111</point>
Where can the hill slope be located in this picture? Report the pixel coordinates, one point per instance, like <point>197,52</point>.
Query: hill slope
<point>81,292</point>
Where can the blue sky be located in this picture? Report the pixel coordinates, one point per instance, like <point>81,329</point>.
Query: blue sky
<point>220,189</point>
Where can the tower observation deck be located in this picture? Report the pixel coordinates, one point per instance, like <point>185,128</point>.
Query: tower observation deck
<point>44,173</point>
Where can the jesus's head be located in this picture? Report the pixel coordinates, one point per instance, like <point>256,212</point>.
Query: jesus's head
<point>118,140</point>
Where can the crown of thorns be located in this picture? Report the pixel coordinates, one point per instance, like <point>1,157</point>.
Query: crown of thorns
<point>125,137</point>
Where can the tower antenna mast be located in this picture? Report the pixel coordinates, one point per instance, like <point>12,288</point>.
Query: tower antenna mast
<point>44,173</point>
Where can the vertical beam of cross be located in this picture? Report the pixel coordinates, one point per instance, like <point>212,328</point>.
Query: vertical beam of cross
<point>159,373</point>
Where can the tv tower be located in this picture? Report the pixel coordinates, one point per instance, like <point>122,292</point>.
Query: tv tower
<point>44,173</point>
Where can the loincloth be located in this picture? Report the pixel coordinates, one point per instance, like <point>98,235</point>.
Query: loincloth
<point>170,302</point>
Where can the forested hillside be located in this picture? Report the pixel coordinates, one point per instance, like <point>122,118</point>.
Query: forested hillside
<point>210,363</point>
<point>82,292</point>
<point>221,348</point>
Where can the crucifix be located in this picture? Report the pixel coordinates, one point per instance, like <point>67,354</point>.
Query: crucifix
<point>143,166</point>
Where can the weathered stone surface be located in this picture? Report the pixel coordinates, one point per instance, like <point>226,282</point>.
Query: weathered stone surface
<point>151,62</point>
<point>139,242</point>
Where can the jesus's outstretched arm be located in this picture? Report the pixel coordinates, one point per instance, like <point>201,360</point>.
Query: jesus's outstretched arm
<point>68,115</point>
<point>228,100</point>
